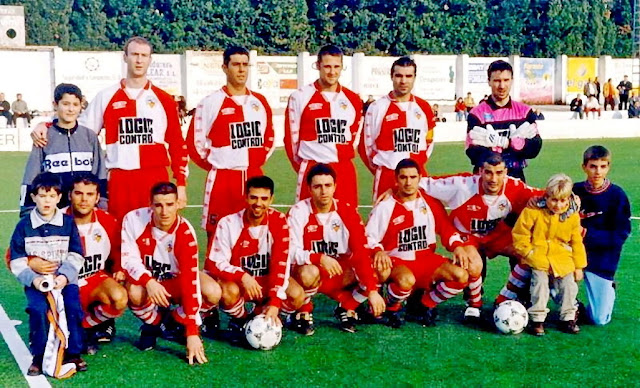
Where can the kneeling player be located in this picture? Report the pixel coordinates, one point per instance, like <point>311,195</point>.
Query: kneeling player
<point>250,257</point>
<point>402,229</point>
<point>329,248</point>
<point>160,256</point>
<point>103,298</point>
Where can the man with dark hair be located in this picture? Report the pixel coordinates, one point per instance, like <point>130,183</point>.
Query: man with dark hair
<point>397,126</point>
<point>502,125</point>
<point>402,231</point>
<point>322,125</point>
<point>5,110</point>
<point>231,137</point>
<point>624,87</point>
<point>71,148</point>
<point>484,208</point>
<point>250,258</point>
<point>330,256</point>
<point>142,134</point>
<point>160,256</point>
<point>20,110</point>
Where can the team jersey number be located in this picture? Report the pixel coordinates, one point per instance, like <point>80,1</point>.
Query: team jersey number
<point>92,264</point>
<point>159,271</point>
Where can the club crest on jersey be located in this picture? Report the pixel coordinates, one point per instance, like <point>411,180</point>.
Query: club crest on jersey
<point>169,247</point>
<point>97,236</point>
<point>315,106</point>
<point>151,102</point>
<point>119,104</point>
<point>255,106</point>
<point>473,208</point>
<point>343,105</point>
<point>335,225</point>
<point>502,206</point>
<point>312,228</point>
<point>423,209</point>
<point>391,117</point>
<point>228,111</point>
<point>418,114</point>
<point>398,220</point>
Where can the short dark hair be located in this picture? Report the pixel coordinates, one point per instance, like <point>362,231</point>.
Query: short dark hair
<point>320,169</point>
<point>404,62</point>
<point>493,159</point>
<point>330,49</point>
<point>260,182</point>
<point>86,178</point>
<point>47,181</point>
<point>499,65</point>
<point>63,89</point>
<point>163,188</point>
<point>137,39</point>
<point>233,50</point>
<point>407,163</point>
<point>595,152</point>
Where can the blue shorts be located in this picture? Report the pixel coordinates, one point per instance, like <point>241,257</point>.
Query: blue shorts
<point>601,295</point>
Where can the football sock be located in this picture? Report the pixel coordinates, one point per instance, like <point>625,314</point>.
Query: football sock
<point>99,314</point>
<point>206,309</point>
<point>287,308</point>
<point>308,294</point>
<point>237,310</point>
<point>475,292</point>
<point>519,280</point>
<point>147,313</point>
<point>395,296</point>
<point>442,292</point>
<point>306,308</point>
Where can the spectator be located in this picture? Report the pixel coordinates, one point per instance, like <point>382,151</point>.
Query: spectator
<point>598,89</point>
<point>470,103</point>
<point>576,107</point>
<point>623,87</point>
<point>367,103</point>
<point>634,98</point>
<point>436,114</point>
<point>182,107</point>
<point>486,96</point>
<point>590,88</point>
<point>461,109</point>
<point>5,109</point>
<point>634,110</point>
<point>539,115</point>
<point>609,92</point>
<point>592,106</point>
<point>20,110</point>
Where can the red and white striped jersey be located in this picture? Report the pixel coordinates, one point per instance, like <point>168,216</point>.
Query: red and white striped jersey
<point>322,126</point>
<point>101,242</point>
<point>148,252</point>
<point>473,211</point>
<point>232,132</point>
<point>397,130</point>
<point>338,233</point>
<point>260,251</point>
<point>141,130</point>
<point>407,230</point>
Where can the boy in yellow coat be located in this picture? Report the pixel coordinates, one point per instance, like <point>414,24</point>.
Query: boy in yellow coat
<point>550,240</point>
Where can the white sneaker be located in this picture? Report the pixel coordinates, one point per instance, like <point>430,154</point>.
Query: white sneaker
<point>472,313</point>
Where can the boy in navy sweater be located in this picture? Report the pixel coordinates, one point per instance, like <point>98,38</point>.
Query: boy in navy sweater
<point>53,236</point>
<point>605,213</point>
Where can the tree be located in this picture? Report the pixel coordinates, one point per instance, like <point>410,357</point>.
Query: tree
<point>88,26</point>
<point>47,21</point>
<point>281,26</point>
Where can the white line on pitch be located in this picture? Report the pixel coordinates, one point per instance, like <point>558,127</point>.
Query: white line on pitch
<point>19,350</point>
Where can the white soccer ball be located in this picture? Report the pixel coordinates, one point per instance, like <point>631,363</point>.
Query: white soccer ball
<point>510,317</point>
<point>262,334</point>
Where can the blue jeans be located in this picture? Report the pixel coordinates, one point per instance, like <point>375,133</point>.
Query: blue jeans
<point>460,116</point>
<point>37,307</point>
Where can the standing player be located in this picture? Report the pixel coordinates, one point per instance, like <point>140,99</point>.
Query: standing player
<point>484,208</point>
<point>103,298</point>
<point>322,125</point>
<point>330,254</point>
<point>160,256</point>
<point>397,126</point>
<point>499,124</point>
<point>231,136</point>
<point>142,133</point>
<point>250,257</point>
<point>402,230</point>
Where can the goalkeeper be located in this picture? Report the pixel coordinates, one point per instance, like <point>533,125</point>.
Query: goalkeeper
<point>502,125</point>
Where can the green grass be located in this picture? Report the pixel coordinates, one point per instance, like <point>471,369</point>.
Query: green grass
<point>447,355</point>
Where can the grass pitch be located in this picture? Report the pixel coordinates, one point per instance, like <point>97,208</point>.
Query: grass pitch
<point>448,355</point>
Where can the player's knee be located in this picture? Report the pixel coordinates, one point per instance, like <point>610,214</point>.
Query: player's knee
<point>230,293</point>
<point>406,281</point>
<point>475,268</point>
<point>459,275</point>
<point>212,292</point>
<point>120,298</point>
<point>137,295</point>
<point>295,295</point>
<point>383,274</point>
<point>309,276</point>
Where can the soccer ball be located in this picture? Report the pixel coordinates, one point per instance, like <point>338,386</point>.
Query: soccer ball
<point>510,317</point>
<point>262,334</point>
